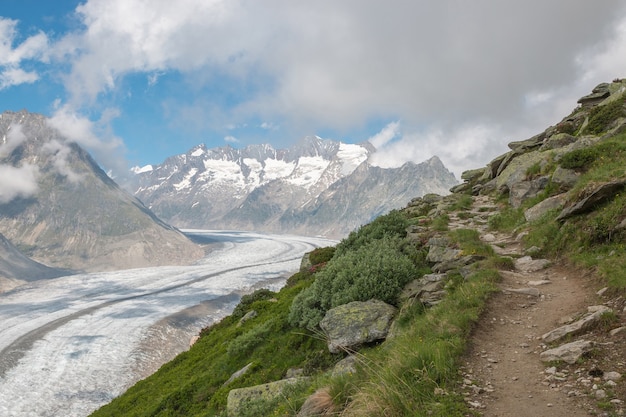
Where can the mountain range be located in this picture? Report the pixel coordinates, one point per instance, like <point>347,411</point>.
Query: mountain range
<point>316,187</point>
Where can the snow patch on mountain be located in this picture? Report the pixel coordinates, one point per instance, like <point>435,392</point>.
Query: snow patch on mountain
<point>351,156</point>
<point>141,170</point>
<point>186,182</point>
<point>308,171</point>
<point>276,168</point>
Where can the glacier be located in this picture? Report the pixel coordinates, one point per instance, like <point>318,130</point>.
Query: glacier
<point>71,344</point>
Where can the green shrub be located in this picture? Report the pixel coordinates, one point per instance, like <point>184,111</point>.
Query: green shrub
<point>392,224</point>
<point>440,223</point>
<point>601,117</point>
<point>248,299</point>
<point>321,255</point>
<point>579,158</point>
<point>298,277</point>
<point>244,343</point>
<point>533,171</point>
<point>377,270</point>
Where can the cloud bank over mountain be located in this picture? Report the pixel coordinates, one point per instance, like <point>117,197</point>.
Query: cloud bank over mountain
<point>456,79</point>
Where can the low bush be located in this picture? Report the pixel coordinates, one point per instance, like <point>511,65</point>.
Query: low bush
<point>393,224</point>
<point>377,270</point>
<point>321,255</point>
<point>244,305</point>
<point>579,158</point>
<point>601,117</point>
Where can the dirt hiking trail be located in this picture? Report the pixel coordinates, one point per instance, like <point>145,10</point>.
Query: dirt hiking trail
<point>502,372</point>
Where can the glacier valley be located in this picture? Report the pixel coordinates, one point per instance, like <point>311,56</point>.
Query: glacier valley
<point>71,344</point>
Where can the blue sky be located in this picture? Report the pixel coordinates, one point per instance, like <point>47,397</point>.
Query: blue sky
<point>136,81</point>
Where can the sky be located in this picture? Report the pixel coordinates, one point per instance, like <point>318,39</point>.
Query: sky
<point>136,81</point>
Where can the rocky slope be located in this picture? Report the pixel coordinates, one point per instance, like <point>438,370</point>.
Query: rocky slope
<point>316,187</point>
<point>72,215</point>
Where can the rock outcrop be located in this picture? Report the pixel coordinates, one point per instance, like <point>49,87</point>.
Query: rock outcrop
<point>354,324</point>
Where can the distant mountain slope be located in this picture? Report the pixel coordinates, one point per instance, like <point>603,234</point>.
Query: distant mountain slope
<point>15,268</point>
<point>77,217</point>
<point>316,187</point>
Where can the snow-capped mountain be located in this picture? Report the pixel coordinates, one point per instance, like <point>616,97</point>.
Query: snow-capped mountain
<point>283,190</point>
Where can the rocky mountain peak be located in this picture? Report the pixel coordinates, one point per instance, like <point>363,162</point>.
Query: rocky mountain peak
<point>69,213</point>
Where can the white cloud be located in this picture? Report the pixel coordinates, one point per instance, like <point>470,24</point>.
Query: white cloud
<point>269,126</point>
<point>60,151</point>
<point>17,182</point>
<point>32,48</point>
<point>465,78</point>
<point>96,137</point>
<point>385,135</point>
<point>14,138</point>
<point>231,139</point>
<point>444,68</point>
<point>16,76</point>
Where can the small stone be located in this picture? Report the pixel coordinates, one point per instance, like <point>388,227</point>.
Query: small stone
<point>602,291</point>
<point>610,383</point>
<point>571,393</point>
<point>618,331</point>
<point>612,376</point>
<point>616,401</point>
<point>549,404</point>
<point>551,371</point>
<point>539,282</point>
<point>600,394</point>
<point>489,237</point>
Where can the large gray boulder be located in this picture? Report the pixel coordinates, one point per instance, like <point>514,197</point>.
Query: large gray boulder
<point>598,196</point>
<point>598,94</point>
<point>238,398</point>
<point>539,209</point>
<point>565,179</point>
<point>557,141</point>
<point>524,190</point>
<point>354,324</point>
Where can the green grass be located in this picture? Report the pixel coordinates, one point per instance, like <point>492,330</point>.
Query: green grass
<point>191,384</point>
<point>507,219</point>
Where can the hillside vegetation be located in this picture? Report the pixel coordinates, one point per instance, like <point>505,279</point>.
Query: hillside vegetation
<point>561,193</point>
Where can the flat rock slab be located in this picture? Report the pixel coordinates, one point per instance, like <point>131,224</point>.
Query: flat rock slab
<point>526,291</point>
<point>528,264</point>
<point>588,321</point>
<point>569,352</point>
<point>539,282</point>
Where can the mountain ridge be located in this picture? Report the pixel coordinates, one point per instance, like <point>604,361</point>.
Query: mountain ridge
<point>266,189</point>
